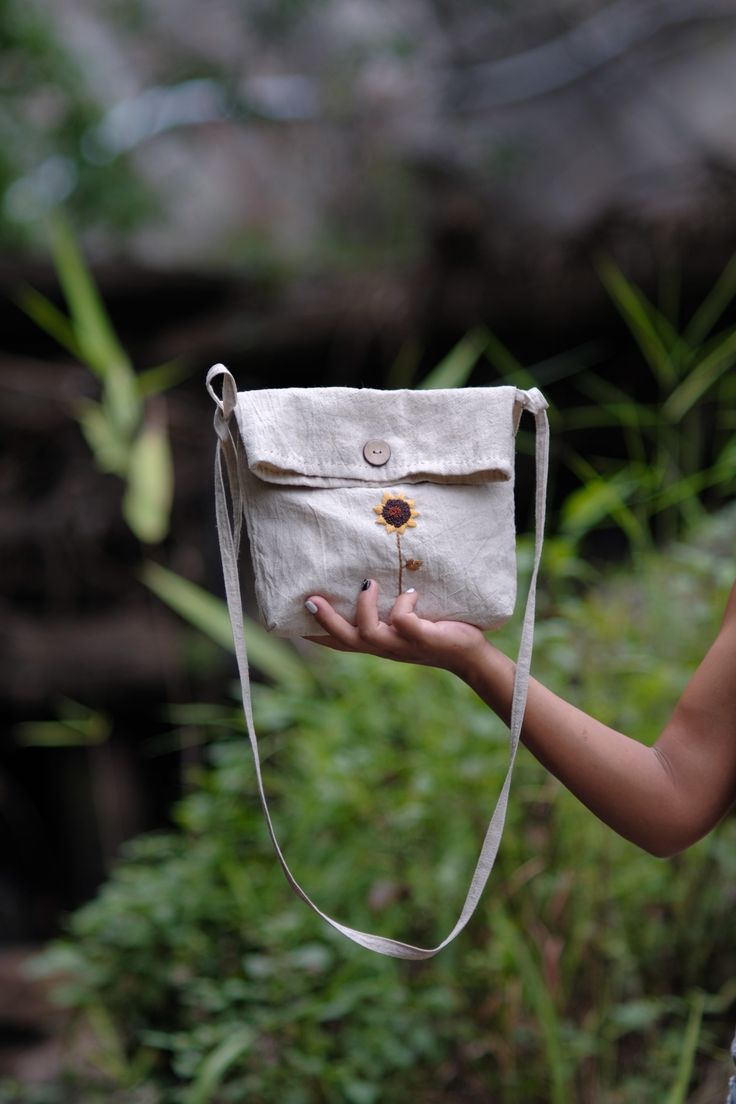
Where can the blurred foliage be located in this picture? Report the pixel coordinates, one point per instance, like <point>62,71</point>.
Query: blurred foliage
<point>681,445</point>
<point>126,430</point>
<point>68,142</point>
<point>385,115</point>
<point>201,977</point>
<point>46,109</point>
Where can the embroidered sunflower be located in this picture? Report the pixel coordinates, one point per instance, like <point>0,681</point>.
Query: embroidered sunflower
<point>396,512</point>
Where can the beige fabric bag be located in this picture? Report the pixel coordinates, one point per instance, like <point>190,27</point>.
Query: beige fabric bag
<point>411,488</point>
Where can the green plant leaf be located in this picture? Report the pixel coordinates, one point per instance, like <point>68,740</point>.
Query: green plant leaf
<point>700,380</point>
<point>88,332</point>
<point>197,606</point>
<point>150,488</point>
<point>679,1091</point>
<point>162,377</point>
<point>599,498</point>
<point>505,363</point>
<point>50,319</point>
<point>204,611</point>
<point>713,306</point>
<point>93,331</point>
<point>403,369</point>
<point>644,322</point>
<point>217,1063</point>
<point>122,401</point>
<point>86,730</point>
<point>455,369</point>
<point>110,451</point>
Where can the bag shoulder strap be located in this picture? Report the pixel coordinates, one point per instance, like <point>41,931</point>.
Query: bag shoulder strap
<point>228,446</point>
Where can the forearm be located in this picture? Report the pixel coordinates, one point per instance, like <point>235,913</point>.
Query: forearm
<point>626,784</point>
<point>663,798</point>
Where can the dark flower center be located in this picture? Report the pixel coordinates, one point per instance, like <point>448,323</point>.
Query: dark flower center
<point>396,512</point>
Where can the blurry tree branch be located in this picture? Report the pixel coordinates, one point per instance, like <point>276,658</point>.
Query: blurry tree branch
<point>591,43</point>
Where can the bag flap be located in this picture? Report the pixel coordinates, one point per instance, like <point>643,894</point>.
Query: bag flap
<point>316,436</point>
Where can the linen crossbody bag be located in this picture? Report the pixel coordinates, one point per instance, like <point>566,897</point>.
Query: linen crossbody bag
<point>337,484</point>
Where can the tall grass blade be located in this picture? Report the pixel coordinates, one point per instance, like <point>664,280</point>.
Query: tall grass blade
<point>670,293</point>
<point>713,306</point>
<point>611,415</point>
<point>97,343</point>
<point>701,379</point>
<point>586,508</point>
<point>197,606</point>
<point>93,330</point>
<point>561,366</point>
<point>457,366</point>
<point>603,391</point>
<point>678,1092</point>
<point>154,381</point>
<point>645,323</point>
<point>525,957</point>
<point>505,363</point>
<point>405,365</point>
<point>50,319</point>
<point>77,726</point>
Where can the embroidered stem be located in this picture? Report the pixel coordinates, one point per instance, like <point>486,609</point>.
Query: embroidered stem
<point>401,563</point>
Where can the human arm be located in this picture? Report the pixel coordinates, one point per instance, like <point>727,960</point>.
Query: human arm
<point>662,798</point>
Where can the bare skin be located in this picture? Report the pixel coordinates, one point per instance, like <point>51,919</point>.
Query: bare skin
<point>663,797</point>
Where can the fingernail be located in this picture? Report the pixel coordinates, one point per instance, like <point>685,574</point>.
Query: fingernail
<point>410,590</point>
<point>365,584</point>
<point>309,605</point>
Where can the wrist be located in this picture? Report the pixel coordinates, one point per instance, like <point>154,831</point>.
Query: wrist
<point>489,672</point>
<point>473,662</point>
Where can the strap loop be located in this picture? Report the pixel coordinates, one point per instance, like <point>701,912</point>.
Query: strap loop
<point>227,403</point>
<point>532,400</point>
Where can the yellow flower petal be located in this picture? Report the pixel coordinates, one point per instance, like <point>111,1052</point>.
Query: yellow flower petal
<point>399,514</point>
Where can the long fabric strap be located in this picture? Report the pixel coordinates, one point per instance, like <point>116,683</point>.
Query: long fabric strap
<point>229,530</point>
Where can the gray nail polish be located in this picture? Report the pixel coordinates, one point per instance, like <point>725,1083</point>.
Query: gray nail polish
<point>365,584</point>
<point>310,606</point>
<point>410,590</point>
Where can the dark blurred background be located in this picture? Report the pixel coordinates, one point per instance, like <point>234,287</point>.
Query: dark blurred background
<point>314,192</point>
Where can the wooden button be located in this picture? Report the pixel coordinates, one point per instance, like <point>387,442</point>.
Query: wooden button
<point>377,453</point>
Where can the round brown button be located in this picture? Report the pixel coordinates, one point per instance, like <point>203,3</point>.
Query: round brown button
<point>377,453</point>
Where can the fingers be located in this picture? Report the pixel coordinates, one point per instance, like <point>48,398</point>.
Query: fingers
<point>331,621</point>
<point>366,610</point>
<point>404,618</point>
<point>404,606</point>
<point>370,634</point>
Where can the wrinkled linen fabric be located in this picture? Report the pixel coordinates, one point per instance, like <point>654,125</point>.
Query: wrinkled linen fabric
<point>310,499</point>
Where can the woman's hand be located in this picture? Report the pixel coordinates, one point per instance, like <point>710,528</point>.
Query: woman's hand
<point>453,645</point>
